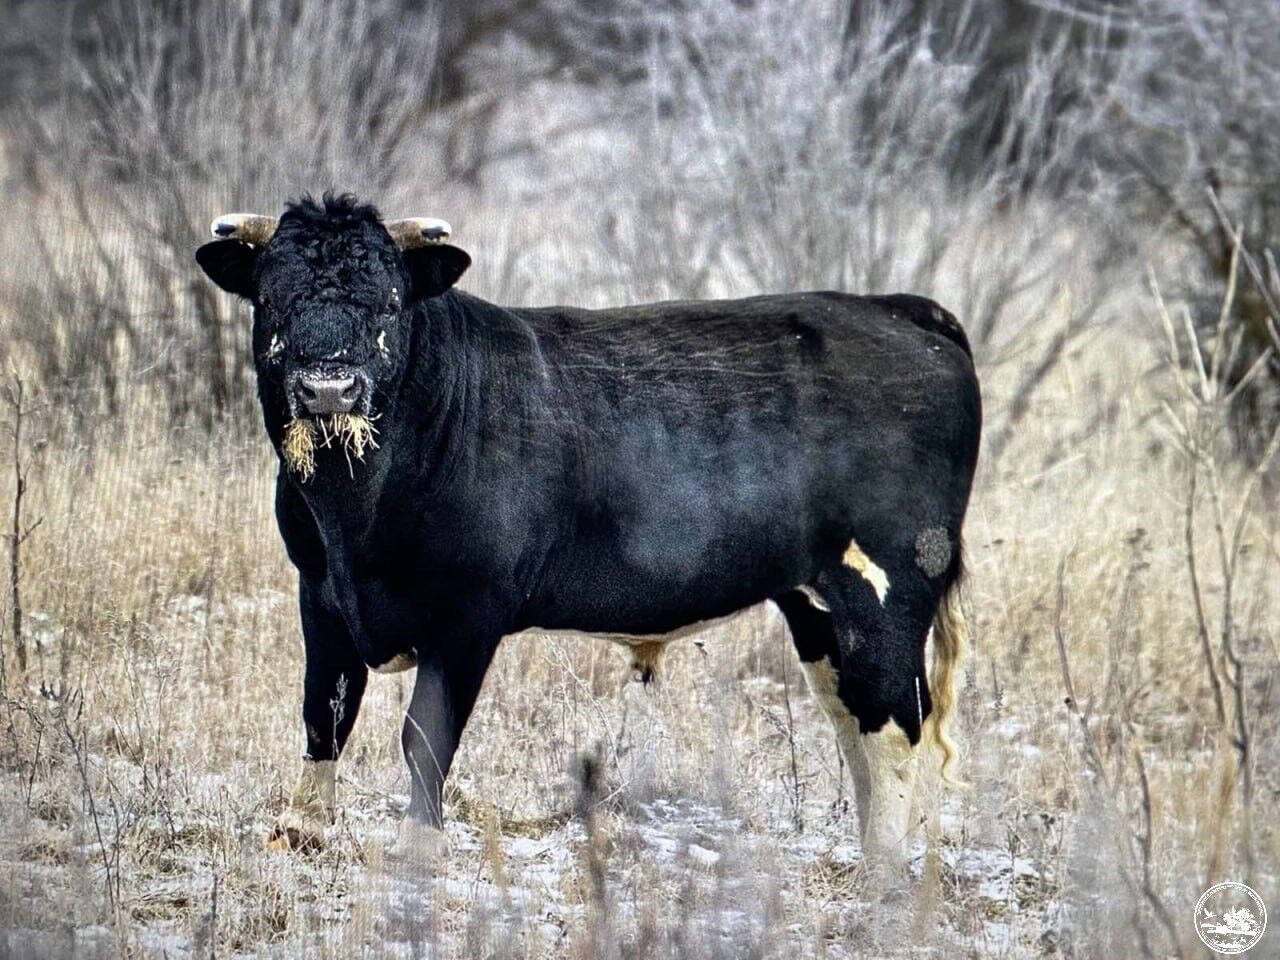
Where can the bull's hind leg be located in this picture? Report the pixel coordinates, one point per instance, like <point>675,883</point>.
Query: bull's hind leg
<point>865,664</point>
<point>814,637</point>
<point>882,607</point>
<point>877,748</point>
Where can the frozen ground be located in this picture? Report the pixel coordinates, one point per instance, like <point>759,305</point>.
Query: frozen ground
<point>672,851</point>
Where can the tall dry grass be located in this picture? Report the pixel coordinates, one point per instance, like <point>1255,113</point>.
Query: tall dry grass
<point>155,733</point>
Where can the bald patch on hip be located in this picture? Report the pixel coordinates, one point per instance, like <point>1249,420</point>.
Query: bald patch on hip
<point>933,551</point>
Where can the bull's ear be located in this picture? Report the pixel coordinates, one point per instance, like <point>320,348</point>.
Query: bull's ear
<point>229,264</point>
<point>435,268</point>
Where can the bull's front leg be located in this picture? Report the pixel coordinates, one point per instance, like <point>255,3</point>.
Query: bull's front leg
<point>444,693</point>
<point>333,686</point>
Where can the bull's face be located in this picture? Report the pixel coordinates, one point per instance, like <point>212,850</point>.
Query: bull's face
<point>332,288</point>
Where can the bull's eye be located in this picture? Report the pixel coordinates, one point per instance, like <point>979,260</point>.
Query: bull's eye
<point>393,302</point>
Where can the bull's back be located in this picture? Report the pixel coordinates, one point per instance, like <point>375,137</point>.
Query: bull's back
<point>769,359</point>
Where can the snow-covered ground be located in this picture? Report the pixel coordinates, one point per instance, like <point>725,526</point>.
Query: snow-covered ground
<point>692,845</point>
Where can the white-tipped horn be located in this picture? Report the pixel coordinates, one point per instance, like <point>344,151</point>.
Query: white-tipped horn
<point>418,231</point>
<point>255,228</point>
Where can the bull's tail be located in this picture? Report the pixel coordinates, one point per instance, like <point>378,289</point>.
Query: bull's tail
<point>949,639</point>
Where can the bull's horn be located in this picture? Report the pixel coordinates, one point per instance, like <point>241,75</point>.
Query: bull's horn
<point>418,232</point>
<point>255,228</point>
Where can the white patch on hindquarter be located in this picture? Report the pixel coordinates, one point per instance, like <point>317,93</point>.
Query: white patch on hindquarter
<point>399,663</point>
<point>855,559</point>
<point>883,765</point>
<point>815,599</point>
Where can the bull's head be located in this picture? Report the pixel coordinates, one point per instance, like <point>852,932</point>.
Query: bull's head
<point>332,288</point>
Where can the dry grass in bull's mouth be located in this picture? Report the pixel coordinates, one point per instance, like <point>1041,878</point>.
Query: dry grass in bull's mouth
<point>352,431</point>
<point>299,448</point>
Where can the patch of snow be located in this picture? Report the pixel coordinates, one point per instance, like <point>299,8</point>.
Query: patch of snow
<point>703,856</point>
<point>526,848</point>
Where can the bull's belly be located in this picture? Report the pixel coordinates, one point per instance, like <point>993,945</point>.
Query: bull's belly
<point>635,639</point>
<point>605,594</point>
<point>397,664</point>
<point>645,650</point>
<point>601,588</point>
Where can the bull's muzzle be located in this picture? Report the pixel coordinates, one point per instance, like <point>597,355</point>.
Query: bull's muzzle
<point>327,392</point>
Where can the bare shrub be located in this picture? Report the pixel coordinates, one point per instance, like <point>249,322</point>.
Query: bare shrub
<point>1193,90</point>
<point>793,145</point>
<point>1198,416</point>
<point>176,113</point>
<point>20,409</point>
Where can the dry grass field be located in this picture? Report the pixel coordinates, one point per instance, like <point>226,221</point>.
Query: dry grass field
<point>155,733</point>
<point>1118,721</point>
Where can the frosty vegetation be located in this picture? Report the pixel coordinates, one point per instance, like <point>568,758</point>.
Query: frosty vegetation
<point>1088,185</point>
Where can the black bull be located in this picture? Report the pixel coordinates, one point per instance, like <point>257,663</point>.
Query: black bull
<point>627,472</point>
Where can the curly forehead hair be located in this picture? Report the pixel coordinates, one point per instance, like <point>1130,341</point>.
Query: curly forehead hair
<point>335,244</point>
<point>343,209</point>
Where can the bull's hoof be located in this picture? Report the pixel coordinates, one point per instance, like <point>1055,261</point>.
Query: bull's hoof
<point>310,810</point>
<point>418,843</point>
<point>297,833</point>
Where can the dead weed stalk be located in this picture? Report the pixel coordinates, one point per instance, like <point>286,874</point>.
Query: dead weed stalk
<point>1198,421</point>
<point>20,409</point>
